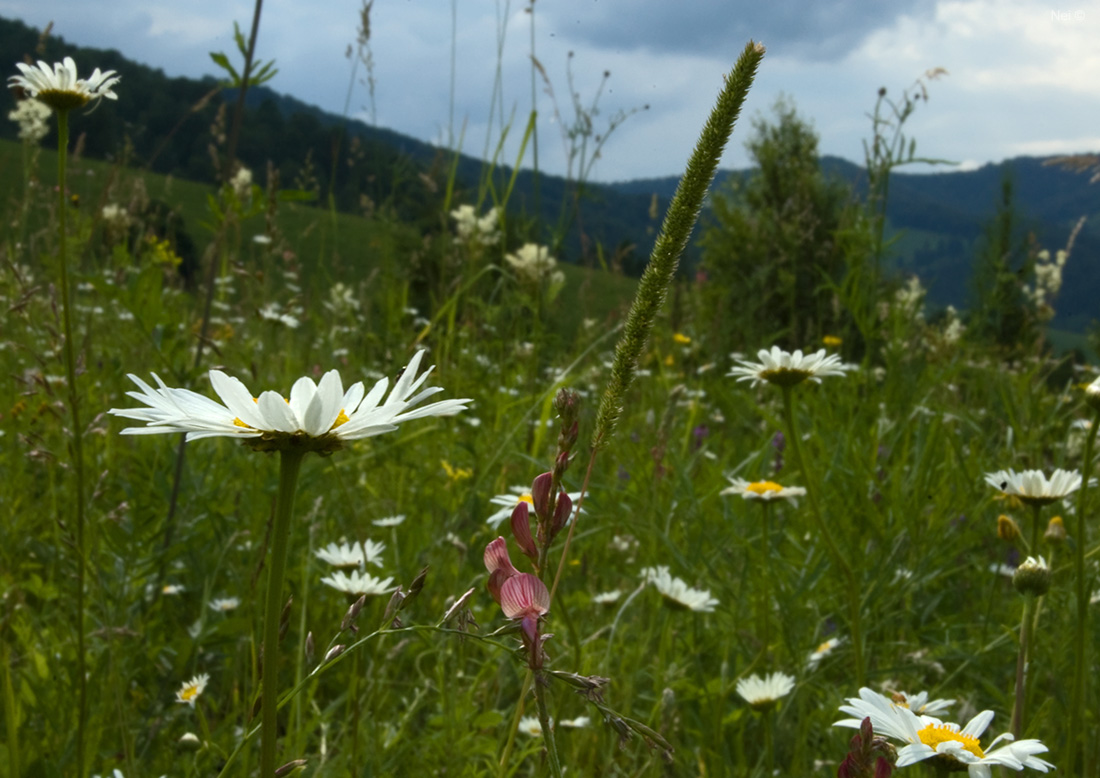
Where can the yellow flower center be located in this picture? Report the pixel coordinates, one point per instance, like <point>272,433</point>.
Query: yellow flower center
<point>762,487</point>
<point>526,498</point>
<point>341,419</point>
<point>785,376</point>
<point>934,734</point>
<point>189,693</point>
<point>681,338</point>
<point>826,646</point>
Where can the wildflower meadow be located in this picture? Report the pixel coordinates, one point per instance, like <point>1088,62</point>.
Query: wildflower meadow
<point>357,497</point>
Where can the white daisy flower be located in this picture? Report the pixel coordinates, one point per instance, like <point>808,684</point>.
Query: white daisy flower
<point>191,690</point>
<point>606,598</point>
<point>530,725</point>
<point>514,496</point>
<point>578,723</point>
<point>321,415</point>
<point>762,693</point>
<point>1033,487</point>
<point>389,521</point>
<point>678,594</point>
<point>225,604</point>
<point>822,651</point>
<point>954,747</point>
<point>786,369</point>
<point>764,490</point>
<point>341,555</point>
<point>60,88</point>
<point>358,584</point>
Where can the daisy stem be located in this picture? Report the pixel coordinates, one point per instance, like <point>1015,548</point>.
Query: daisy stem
<point>290,464</point>
<point>1080,677</point>
<point>769,742</point>
<point>766,581</point>
<point>1021,663</point>
<point>823,530</point>
<point>547,727</point>
<point>78,437</point>
<point>1036,509</point>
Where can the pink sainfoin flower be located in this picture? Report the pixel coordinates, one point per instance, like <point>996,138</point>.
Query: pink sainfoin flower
<point>522,596</point>
<point>526,598</point>
<point>499,566</point>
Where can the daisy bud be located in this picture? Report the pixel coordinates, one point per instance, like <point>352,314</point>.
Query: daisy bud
<point>414,588</point>
<point>352,615</point>
<point>1007,528</point>
<point>540,495</point>
<point>190,741</point>
<point>1056,531</point>
<point>284,618</point>
<point>1092,395</point>
<point>521,530</point>
<point>290,768</point>
<point>1032,578</point>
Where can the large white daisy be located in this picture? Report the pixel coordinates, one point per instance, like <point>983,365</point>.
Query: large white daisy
<point>358,584</point>
<point>786,369</point>
<point>927,737</point>
<point>1033,487</point>
<point>59,88</point>
<point>322,413</point>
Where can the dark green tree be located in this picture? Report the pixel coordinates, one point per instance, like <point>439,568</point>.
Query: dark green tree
<point>770,255</point>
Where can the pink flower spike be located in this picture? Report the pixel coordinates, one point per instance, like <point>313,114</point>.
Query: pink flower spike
<point>523,596</point>
<point>521,530</point>
<point>561,513</point>
<point>496,558</point>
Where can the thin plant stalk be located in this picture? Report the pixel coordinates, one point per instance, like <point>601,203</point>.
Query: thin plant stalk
<point>290,464</point>
<point>547,728</point>
<point>823,529</point>
<point>1021,665</point>
<point>766,582</point>
<point>78,439</point>
<point>1080,676</point>
<point>769,742</point>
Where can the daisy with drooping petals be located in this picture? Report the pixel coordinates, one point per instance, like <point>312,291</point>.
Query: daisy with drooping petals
<point>358,584</point>
<point>764,490</point>
<point>191,690</point>
<point>763,693</point>
<point>678,595</point>
<point>1033,487</point>
<point>59,88</point>
<point>320,416</point>
<point>951,746</point>
<point>786,369</point>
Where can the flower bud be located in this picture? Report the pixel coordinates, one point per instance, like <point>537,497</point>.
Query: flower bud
<point>1056,531</point>
<point>190,741</point>
<point>1092,395</point>
<point>1032,578</point>
<point>521,530</point>
<point>540,496</point>
<point>1007,528</point>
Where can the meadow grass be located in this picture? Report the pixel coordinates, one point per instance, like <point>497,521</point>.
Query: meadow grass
<point>896,449</point>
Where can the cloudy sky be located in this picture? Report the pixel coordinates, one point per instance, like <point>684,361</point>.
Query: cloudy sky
<point>1023,76</point>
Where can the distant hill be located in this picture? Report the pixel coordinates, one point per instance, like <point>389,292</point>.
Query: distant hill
<point>167,124</point>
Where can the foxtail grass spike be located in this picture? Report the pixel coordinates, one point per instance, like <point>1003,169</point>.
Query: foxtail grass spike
<point>682,214</point>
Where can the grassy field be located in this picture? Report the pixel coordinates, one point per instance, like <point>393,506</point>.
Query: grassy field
<point>134,569</point>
